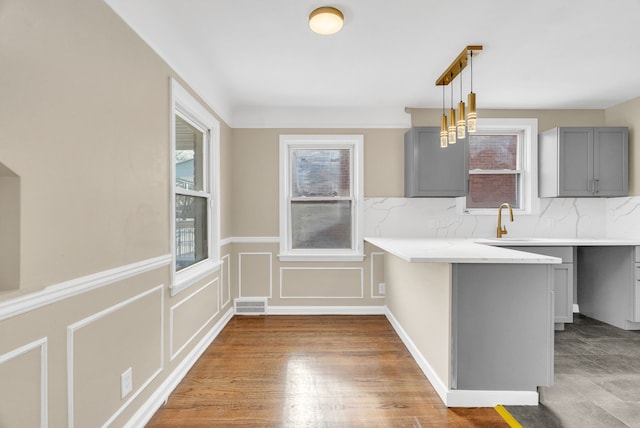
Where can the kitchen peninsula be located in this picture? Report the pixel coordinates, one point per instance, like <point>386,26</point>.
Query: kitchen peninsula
<point>478,319</point>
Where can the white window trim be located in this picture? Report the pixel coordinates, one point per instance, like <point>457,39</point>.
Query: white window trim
<point>186,105</point>
<point>529,158</point>
<point>356,143</point>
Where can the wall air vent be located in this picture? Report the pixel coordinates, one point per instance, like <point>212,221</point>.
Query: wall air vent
<point>250,306</point>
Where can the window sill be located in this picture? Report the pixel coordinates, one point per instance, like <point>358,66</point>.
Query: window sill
<point>321,257</point>
<point>191,275</point>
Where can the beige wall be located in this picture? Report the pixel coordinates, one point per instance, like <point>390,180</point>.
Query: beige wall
<point>628,114</point>
<point>255,174</point>
<point>84,130</point>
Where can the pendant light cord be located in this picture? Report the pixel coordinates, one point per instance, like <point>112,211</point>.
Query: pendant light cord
<point>471,69</point>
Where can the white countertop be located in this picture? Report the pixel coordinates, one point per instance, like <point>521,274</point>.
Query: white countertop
<point>455,251</point>
<point>483,250</point>
<point>557,242</point>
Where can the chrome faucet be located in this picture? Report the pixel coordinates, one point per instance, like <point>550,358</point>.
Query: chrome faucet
<point>502,230</point>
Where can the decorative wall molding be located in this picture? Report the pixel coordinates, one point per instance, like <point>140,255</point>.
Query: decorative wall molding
<point>161,395</point>
<point>240,255</point>
<point>255,240</point>
<point>171,320</point>
<point>360,296</point>
<point>71,330</point>
<point>44,393</point>
<point>64,290</point>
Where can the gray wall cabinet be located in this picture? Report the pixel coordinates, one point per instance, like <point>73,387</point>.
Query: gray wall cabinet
<point>432,171</point>
<point>584,162</point>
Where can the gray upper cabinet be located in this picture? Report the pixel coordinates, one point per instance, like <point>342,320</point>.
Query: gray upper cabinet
<point>578,162</point>
<point>432,171</point>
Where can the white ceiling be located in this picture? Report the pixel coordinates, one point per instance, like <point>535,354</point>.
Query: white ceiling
<point>258,64</point>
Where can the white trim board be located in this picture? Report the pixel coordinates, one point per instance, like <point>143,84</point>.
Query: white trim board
<point>161,395</point>
<point>64,290</point>
<point>461,398</point>
<point>325,310</point>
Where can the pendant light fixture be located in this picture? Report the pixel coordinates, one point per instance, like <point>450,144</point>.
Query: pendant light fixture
<point>326,20</point>
<point>472,116</point>
<point>443,125</point>
<point>452,122</point>
<point>461,121</point>
<point>457,130</point>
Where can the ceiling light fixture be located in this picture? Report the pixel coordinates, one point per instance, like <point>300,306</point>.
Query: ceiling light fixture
<point>457,130</point>
<point>326,20</point>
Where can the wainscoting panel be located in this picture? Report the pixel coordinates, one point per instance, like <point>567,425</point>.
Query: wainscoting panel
<point>377,274</point>
<point>225,281</point>
<point>255,274</point>
<point>101,347</point>
<point>321,282</point>
<point>23,386</point>
<point>192,315</point>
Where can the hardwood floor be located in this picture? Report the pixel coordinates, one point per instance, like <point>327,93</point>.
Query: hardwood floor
<point>311,371</point>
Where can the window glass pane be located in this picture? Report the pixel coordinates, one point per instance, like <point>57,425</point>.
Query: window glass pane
<point>491,190</point>
<point>321,224</point>
<point>191,230</point>
<point>493,151</point>
<point>320,173</point>
<point>189,156</point>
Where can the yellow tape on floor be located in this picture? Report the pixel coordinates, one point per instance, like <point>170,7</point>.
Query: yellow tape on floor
<point>513,423</point>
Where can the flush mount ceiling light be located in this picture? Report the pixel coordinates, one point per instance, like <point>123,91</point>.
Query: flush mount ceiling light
<point>445,79</point>
<point>326,20</point>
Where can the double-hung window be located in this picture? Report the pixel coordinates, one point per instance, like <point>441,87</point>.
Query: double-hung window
<point>502,165</point>
<point>321,197</point>
<point>195,230</point>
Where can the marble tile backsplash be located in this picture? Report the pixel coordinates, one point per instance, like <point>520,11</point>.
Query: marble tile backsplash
<point>557,218</point>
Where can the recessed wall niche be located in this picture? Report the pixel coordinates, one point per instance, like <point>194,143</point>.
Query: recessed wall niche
<point>9,229</point>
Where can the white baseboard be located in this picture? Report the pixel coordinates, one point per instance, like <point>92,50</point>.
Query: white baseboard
<point>434,379</point>
<point>325,310</point>
<point>468,398</point>
<point>457,397</point>
<point>160,395</point>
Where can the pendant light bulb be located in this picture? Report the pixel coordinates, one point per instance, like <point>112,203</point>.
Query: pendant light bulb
<point>461,122</point>
<point>443,132</point>
<point>471,116</point>
<point>452,126</point>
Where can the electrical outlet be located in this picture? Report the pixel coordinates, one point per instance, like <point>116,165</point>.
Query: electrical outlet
<point>381,288</point>
<point>126,382</point>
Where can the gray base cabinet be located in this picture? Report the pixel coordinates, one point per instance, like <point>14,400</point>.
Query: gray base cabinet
<point>502,325</point>
<point>584,162</point>
<point>563,280</point>
<point>608,285</point>
<point>432,171</point>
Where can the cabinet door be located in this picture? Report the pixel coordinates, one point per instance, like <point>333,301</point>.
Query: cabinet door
<point>611,177</point>
<point>575,173</point>
<point>431,170</point>
<point>563,292</point>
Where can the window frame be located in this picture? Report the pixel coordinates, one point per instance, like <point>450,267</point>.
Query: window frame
<point>189,109</point>
<point>527,161</point>
<point>355,144</point>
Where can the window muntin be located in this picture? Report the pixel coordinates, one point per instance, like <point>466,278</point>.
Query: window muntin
<point>495,169</point>
<point>321,196</point>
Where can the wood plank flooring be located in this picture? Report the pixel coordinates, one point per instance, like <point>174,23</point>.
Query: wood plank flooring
<point>311,371</point>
